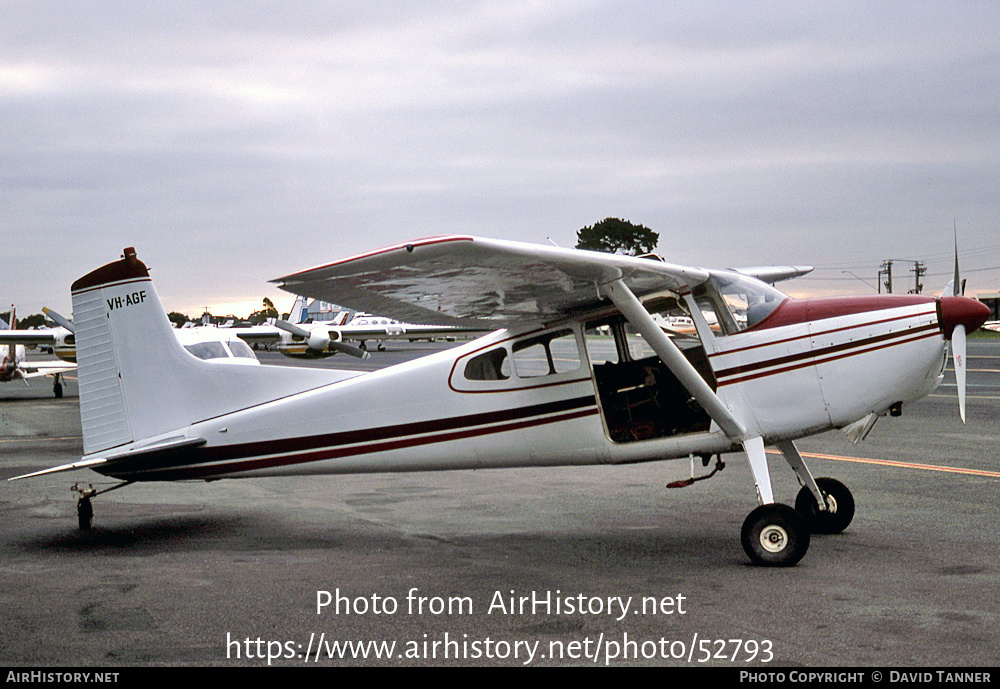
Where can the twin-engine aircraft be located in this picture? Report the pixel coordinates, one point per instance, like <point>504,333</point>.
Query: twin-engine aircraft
<point>575,371</point>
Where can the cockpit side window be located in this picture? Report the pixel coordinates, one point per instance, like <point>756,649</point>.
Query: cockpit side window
<point>241,350</point>
<point>208,350</point>
<point>739,301</point>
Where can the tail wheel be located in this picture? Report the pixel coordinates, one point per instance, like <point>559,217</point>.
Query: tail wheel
<point>775,535</point>
<point>84,513</point>
<point>839,507</point>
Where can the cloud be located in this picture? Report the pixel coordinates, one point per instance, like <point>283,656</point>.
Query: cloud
<point>233,142</point>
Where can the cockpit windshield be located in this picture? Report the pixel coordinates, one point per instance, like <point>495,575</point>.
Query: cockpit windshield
<point>746,300</point>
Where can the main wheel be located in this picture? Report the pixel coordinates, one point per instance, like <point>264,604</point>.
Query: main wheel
<point>775,535</point>
<point>839,507</point>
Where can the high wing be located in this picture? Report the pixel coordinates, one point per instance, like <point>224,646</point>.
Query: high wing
<point>486,283</point>
<point>773,274</point>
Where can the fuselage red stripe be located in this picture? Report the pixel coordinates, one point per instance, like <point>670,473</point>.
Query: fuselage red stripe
<point>821,333</point>
<point>243,464</point>
<point>822,357</point>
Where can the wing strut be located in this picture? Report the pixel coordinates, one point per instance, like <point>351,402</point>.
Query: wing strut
<point>674,359</point>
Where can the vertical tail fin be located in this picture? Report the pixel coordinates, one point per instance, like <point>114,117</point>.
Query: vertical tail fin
<point>137,381</point>
<point>125,346</point>
<point>299,312</point>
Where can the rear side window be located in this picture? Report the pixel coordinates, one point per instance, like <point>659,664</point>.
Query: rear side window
<point>491,365</point>
<point>546,355</point>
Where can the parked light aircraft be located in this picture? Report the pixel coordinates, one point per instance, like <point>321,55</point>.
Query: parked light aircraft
<point>299,338</point>
<point>15,364</point>
<point>208,343</point>
<point>543,389</point>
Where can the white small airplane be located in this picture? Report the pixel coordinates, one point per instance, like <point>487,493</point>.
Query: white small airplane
<point>545,388</point>
<point>15,364</point>
<point>299,338</point>
<point>208,343</point>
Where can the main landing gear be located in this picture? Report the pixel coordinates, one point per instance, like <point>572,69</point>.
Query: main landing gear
<point>776,535</point>
<point>839,506</point>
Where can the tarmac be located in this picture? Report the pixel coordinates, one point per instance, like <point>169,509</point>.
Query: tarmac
<point>529,567</point>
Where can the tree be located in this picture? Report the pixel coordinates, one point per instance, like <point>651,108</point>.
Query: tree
<point>614,235</point>
<point>269,311</point>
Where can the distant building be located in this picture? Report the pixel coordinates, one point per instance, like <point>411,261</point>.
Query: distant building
<point>992,300</point>
<point>321,311</point>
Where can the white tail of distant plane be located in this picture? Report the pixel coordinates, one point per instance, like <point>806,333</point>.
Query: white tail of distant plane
<point>137,383</point>
<point>299,312</point>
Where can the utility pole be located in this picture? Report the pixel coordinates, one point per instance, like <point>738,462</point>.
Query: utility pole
<point>887,272</point>
<point>919,270</point>
<point>885,275</point>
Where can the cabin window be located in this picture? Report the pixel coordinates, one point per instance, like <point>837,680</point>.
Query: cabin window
<point>491,365</point>
<point>546,355</point>
<point>522,363</point>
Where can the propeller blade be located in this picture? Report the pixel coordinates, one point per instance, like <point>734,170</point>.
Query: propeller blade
<point>59,319</point>
<point>349,349</point>
<point>958,351</point>
<point>293,329</point>
<point>956,282</point>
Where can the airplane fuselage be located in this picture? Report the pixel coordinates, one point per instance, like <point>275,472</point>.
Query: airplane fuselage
<point>583,373</point>
<point>809,368</point>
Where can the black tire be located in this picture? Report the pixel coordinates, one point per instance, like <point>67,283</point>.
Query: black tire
<point>84,513</point>
<point>840,507</point>
<point>775,535</point>
<point>57,390</point>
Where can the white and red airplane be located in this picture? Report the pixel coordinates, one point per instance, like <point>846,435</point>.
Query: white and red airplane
<point>547,387</point>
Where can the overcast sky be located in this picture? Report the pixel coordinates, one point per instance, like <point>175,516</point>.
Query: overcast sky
<point>235,142</point>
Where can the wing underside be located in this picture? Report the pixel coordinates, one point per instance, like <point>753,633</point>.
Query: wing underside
<point>481,282</point>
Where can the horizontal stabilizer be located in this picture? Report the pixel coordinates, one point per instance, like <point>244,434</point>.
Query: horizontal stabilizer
<point>83,464</point>
<point>160,448</point>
